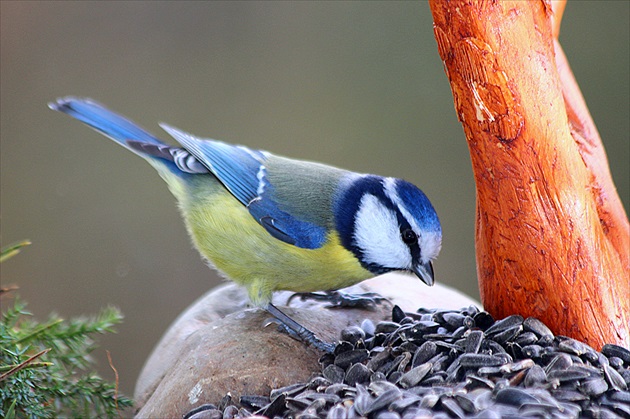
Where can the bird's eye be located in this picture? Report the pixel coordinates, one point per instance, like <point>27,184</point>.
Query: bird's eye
<point>409,236</point>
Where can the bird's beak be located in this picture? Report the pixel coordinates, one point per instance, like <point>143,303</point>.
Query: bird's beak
<point>424,271</point>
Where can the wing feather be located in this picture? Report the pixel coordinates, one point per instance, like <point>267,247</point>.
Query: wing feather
<point>242,171</point>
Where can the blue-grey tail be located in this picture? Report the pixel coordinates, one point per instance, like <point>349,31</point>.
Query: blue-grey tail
<point>115,126</point>
<point>129,134</point>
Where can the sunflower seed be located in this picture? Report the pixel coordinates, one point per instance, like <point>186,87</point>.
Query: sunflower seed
<point>441,364</point>
<point>469,360</point>
<point>230,412</point>
<point>532,324</point>
<point>378,376</point>
<point>345,359</point>
<point>418,413</point>
<point>423,327</point>
<point>452,407</point>
<point>352,334</point>
<point>466,403</point>
<point>565,395</point>
<point>571,410</point>
<point>379,360</point>
<point>338,388</point>
<point>275,407</point>
<point>386,327</point>
<point>415,375</point>
<point>615,362</point>
<point>483,320</point>
<point>619,351</point>
<point>384,400</point>
<point>357,373</point>
<point>504,324</point>
<point>206,414</point>
<point>560,361</point>
<point>325,397</point>
<point>508,334</point>
<point>289,390</point>
<point>380,387</point>
<point>387,415</point>
<point>395,376</point>
<point>526,338</point>
<point>334,373</point>
<point>622,396</point>
<point>593,387</point>
<point>492,347</point>
<point>621,409</point>
<point>337,412</point>
<point>572,346</point>
<point>402,404</point>
<point>297,405</point>
<point>199,412</point>
<point>433,380</point>
<point>514,397</point>
<point>474,381</point>
<point>429,400</point>
<point>473,341</point>
<point>459,333</point>
<point>425,352</point>
<point>317,382</point>
<point>600,412</point>
<point>368,327</point>
<point>516,366</point>
<point>534,411</point>
<point>408,347</point>
<point>487,414</point>
<point>362,400</point>
<point>570,374</point>
<point>454,320</point>
<point>397,314</point>
<point>532,351</point>
<point>614,378</point>
<point>255,401</point>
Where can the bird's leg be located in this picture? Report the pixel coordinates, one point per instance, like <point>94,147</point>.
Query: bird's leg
<point>338,299</point>
<point>298,331</point>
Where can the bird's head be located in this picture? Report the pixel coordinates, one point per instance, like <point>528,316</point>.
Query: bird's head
<point>389,224</point>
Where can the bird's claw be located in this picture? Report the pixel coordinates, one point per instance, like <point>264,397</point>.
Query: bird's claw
<point>308,337</point>
<point>336,299</point>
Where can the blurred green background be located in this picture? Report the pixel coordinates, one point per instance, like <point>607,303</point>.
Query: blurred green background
<point>353,84</point>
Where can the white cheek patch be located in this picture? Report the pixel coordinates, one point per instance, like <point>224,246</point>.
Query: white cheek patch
<point>430,245</point>
<point>377,234</point>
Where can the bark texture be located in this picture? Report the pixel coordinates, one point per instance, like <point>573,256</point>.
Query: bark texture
<point>552,237</point>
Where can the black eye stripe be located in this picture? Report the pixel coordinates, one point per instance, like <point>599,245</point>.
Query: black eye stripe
<point>409,236</point>
<point>406,232</point>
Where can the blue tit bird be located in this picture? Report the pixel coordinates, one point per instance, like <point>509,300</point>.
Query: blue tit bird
<point>272,223</point>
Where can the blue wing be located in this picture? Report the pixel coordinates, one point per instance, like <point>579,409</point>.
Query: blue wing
<point>238,168</point>
<point>242,171</point>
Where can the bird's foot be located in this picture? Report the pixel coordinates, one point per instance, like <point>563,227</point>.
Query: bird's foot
<point>297,331</point>
<point>337,299</point>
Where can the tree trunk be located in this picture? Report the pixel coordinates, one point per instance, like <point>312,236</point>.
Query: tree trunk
<point>552,237</point>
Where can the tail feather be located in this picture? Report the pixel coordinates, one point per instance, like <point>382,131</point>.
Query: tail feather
<point>114,126</point>
<point>128,134</point>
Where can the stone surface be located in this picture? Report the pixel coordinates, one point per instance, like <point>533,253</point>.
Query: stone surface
<point>219,345</point>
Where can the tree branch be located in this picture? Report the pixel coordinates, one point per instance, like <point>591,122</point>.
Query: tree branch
<point>552,238</point>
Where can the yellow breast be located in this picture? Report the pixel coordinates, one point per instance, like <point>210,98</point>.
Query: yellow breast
<point>228,236</point>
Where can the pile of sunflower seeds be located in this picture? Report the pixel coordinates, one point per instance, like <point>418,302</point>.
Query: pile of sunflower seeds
<point>452,364</point>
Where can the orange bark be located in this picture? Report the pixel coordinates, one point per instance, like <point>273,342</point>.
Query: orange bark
<point>552,237</point>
